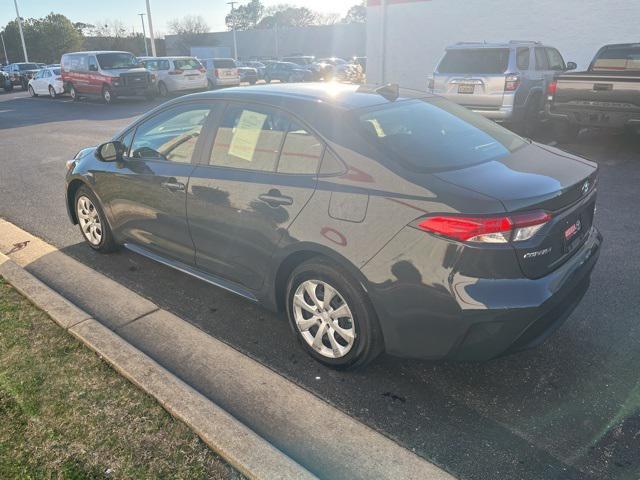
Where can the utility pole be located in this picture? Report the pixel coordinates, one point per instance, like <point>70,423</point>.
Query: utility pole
<point>6,58</point>
<point>24,45</point>
<point>153,41</point>
<point>144,35</point>
<point>276,32</point>
<point>383,37</point>
<point>235,38</point>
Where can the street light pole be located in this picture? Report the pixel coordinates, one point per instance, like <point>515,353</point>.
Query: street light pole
<point>235,38</point>
<point>153,41</point>
<point>24,45</point>
<point>144,35</point>
<point>6,58</point>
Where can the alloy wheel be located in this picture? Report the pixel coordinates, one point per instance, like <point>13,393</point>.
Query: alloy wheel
<point>89,220</point>
<point>52,92</point>
<point>324,319</point>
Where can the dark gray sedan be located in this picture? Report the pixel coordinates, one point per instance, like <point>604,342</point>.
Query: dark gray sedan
<point>378,221</point>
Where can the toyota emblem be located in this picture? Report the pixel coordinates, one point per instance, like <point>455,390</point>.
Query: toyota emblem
<point>585,187</point>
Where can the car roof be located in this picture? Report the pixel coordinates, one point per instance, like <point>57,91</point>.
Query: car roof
<point>346,96</point>
<point>510,44</point>
<point>95,52</point>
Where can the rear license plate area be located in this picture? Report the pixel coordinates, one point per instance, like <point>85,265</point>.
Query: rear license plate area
<point>466,88</point>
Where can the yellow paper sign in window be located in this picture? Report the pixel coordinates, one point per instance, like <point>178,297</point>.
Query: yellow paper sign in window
<point>246,135</point>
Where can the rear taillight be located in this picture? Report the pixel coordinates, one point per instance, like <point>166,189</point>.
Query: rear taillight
<point>516,227</point>
<point>511,83</point>
<point>177,71</point>
<point>202,70</point>
<point>552,88</point>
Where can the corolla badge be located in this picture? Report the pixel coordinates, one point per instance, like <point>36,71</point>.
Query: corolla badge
<point>585,187</point>
<point>539,253</point>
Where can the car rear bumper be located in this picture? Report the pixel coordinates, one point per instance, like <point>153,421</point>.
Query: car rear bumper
<point>226,82</point>
<point>477,319</point>
<point>593,117</point>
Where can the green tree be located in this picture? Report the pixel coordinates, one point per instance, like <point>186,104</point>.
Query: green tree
<point>46,38</point>
<point>246,16</point>
<point>356,14</point>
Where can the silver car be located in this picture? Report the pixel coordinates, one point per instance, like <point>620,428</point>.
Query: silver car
<point>501,81</point>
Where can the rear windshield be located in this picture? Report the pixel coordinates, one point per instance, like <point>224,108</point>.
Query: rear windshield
<point>618,59</point>
<point>187,64</point>
<point>435,134</point>
<point>479,60</point>
<point>224,63</point>
<point>110,61</point>
<point>28,66</point>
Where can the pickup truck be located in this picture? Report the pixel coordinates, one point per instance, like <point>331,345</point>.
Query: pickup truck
<point>607,95</point>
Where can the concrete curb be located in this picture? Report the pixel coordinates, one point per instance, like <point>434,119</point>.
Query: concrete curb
<point>241,447</point>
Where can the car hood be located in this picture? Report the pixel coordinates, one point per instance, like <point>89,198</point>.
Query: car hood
<point>534,176</point>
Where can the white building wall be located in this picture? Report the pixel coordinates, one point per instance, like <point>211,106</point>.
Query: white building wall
<point>417,31</point>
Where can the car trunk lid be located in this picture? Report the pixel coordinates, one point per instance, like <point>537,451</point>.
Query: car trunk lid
<point>539,178</point>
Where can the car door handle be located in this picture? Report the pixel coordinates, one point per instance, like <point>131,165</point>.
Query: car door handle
<point>173,186</point>
<point>274,199</point>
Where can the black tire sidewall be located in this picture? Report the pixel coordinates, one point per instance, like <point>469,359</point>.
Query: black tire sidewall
<point>73,92</point>
<point>367,343</point>
<point>107,243</point>
<point>52,92</point>
<point>163,91</point>
<point>105,89</point>
<point>32,92</point>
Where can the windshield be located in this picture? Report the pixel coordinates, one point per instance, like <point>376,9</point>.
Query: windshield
<point>110,61</point>
<point>435,134</point>
<point>224,63</point>
<point>618,59</point>
<point>56,71</point>
<point>28,66</point>
<point>478,60</point>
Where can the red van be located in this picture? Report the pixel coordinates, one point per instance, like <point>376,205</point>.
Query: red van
<point>106,75</point>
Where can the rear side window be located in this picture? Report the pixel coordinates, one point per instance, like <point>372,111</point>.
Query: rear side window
<point>164,65</point>
<point>479,60</point>
<point>619,58</point>
<point>249,137</point>
<point>435,134</point>
<point>542,62</point>
<point>224,63</point>
<point>150,64</point>
<point>301,151</point>
<point>187,64</point>
<point>556,62</point>
<point>523,58</point>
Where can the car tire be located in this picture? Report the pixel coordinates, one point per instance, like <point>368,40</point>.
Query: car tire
<point>291,78</point>
<point>267,79</point>
<point>92,221</point>
<point>52,92</point>
<point>107,95</point>
<point>210,85</point>
<point>253,82</point>
<point>32,92</point>
<point>362,341</point>
<point>8,87</point>
<point>24,85</point>
<point>531,118</point>
<point>73,93</point>
<point>163,91</point>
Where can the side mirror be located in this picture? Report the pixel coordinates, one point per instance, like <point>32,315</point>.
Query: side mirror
<point>572,65</point>
<point>93,68</point>
<point>111,151</point>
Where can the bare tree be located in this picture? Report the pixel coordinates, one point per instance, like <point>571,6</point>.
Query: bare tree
<point>191,30</point>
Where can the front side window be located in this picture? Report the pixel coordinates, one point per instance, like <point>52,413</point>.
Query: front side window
<point>115,61</point>
<point>476,60</point>
<point>151,65</point>
<point>93,64</point>
<point>171,135</point>
<point>556,62</point>
<point>435,134</point>
<point>164,65</point>
<point>249,137</point>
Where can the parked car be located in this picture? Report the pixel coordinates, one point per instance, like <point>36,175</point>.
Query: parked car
<point>247,74</point>
<point>335,68</point>
<point>21,73</point>
<point>47,81</point>
<point>606,95</point>
<point>307,62</point>
<point>287,72</point>
<point>378,220</point>
<point>221,72</point>
<point>5,81</point>
<point>106,75</point>
<point>259,66</point>
<point>505,82</point>
<point>176,74</point>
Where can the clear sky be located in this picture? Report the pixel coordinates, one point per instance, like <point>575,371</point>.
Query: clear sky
<point>94,11</point>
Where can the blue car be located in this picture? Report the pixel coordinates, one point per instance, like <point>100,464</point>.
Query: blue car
<point>287,72</point>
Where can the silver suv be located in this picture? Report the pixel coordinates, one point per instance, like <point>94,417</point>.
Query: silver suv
<point>502,81</point>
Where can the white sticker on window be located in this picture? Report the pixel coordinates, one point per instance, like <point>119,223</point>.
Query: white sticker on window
<point>246,135</point>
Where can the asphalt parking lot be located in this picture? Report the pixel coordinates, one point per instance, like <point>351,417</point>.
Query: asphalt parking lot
<point>569,409</point>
